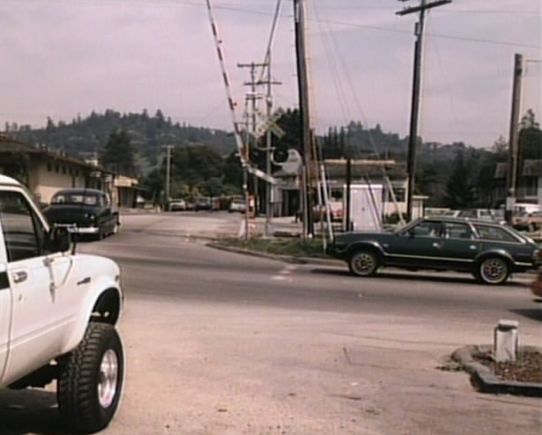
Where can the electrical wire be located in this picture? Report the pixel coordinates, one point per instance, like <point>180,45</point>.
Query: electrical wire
<point>174,3</point>
<point>267,58</point>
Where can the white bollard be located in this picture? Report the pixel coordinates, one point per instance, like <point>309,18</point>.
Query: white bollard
<point>506,340</point>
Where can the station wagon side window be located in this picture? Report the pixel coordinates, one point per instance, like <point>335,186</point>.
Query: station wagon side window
<point>487,232</point>
<point>24,234</point>
<point>425,229</point>
<point>457,230</point>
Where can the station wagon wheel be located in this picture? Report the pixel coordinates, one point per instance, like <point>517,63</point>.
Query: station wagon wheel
<point>363,263</point>
<point>493,270</point>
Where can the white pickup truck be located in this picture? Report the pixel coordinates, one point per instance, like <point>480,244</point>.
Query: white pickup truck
<point>58,312</point>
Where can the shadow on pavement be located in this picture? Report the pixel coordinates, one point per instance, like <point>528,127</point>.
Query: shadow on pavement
<point>466,279</point>
<point>30,411</point>
<point>530,313</point>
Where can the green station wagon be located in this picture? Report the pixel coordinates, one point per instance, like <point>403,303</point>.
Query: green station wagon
<point>491,252</point>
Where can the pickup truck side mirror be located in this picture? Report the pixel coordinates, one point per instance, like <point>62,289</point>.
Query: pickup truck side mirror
<point>59,240</point>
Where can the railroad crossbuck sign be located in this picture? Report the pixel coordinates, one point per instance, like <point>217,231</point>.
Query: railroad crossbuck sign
<point>270,124</point>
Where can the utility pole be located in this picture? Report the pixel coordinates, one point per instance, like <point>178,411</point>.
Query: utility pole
<point>416,86</point>
<point>168,172</point>
<point>304,110</point>
<point>252,96</point>
<point>513,159</point>
<point>268,143</point>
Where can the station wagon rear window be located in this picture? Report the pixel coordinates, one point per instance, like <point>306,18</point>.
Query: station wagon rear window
<point>487,232</point>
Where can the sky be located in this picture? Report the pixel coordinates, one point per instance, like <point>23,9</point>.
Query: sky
<point>63,58</point>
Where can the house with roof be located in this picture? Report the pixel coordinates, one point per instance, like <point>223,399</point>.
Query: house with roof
<point>388,174</point>
<point>44,172</point>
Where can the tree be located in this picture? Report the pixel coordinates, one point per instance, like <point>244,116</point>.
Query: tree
<point>530,137</point>
<point>119,154</point>
<point>459,192</point>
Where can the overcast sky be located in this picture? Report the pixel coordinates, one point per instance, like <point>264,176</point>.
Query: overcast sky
<point>61,58</point>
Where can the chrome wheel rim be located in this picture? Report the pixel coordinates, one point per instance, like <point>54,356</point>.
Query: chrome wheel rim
<point>494,270</point>
<point>363,263</point>
<point>108,378</point>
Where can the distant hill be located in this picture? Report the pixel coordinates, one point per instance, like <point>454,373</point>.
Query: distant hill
<point>83,136</point>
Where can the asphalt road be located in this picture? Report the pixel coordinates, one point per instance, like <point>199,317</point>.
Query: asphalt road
<point>222,343</point>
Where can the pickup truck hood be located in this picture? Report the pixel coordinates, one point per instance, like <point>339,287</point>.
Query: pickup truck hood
<point>97,264</point>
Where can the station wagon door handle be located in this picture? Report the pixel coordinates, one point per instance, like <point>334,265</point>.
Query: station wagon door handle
<point>436,245</point>
<point>19,276</point>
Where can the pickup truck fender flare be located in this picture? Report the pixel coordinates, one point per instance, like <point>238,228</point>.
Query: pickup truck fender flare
<point>368,245</point>
<point>103,290</point>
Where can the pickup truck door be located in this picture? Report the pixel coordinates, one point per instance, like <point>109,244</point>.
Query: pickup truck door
<point>5,317</point>
<point>39,316</point>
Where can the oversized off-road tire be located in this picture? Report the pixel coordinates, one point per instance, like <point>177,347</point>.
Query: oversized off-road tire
<point>492,270</point>
<point>91,380</point>
<point>363,263</point>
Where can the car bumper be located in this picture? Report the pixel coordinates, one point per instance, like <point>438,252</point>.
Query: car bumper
<point>84,230</point>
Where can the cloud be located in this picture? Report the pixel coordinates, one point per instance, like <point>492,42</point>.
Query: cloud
<point>61,58</point>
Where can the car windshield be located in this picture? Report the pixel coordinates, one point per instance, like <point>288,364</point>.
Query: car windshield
<point>75,199</point>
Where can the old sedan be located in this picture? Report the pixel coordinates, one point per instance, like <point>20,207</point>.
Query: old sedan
<point>491,252</point>
<point>89,210</point>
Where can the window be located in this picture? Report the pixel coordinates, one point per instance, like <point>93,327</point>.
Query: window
<point>454,230</point>
<point>23,232</point>
<point>487,232</point>
<point>426,229</point>
<point>75,199</point>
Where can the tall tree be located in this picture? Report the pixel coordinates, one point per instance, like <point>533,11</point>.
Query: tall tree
<point>459,191</point>
<point>119,154</point>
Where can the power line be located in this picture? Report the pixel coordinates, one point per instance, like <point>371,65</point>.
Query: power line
<point>175,3</point>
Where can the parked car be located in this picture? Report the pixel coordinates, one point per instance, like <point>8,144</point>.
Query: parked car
<point>491,252</point>
<point>89,211</point>
<point>335,211</point>
<point>177,205</point>
<point>237,205</point>
<point>203,203</point>
<point>534,220</point>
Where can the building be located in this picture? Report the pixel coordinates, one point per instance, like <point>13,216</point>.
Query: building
<point>529,189</point>
<point>44,172</point>
<point>387,173</point>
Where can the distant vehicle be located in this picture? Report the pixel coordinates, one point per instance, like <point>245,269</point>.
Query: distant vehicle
<point>89,210</point>
<point>534,220</point>
<point>482,214</point>
<point>491,252</point>
<point>522,216</point>
<point>177,205</point>
<point>203,203</point>
<point>237,205</point>
<point>335,211</point>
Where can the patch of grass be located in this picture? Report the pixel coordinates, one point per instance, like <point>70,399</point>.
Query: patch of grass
<point>280,246</point>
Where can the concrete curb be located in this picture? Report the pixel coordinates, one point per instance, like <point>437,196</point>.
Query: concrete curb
<point>485,381</point>
<point>283,258</point>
